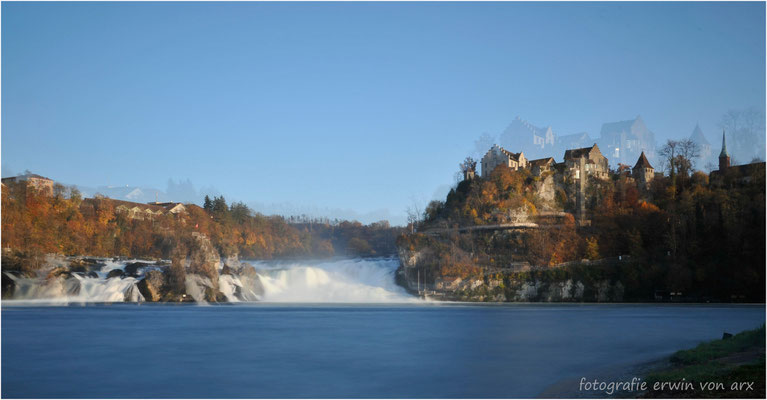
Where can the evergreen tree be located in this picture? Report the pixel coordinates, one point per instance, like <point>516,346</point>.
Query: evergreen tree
<point>207,205</point>
<point>219,205</point>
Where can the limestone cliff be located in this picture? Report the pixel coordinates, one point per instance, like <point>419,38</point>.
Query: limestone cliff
<point>520,282</point>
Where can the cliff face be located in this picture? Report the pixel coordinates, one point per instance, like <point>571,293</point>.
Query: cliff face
<point>519,283</point>
<point>546,190</point>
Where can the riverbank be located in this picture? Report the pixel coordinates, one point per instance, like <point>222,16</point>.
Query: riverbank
<point>733,367</point>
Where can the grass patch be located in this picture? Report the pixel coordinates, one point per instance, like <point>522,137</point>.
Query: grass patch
<point>720,348</point>
<point>727,364</point>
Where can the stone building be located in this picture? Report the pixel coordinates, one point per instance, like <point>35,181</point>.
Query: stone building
<point>595,163</point>
<point>736,174</point>
<point>171,207</point>
<point>137,210</point>
<point>539,166</point>
<point>176,208</point>
<point>37,182</point>
<point>497,156</point>
<point>643,172</point>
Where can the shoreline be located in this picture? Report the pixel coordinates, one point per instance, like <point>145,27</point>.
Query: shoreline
<point>54,302</point>
<point>728,360</point>
<point>570,387</point>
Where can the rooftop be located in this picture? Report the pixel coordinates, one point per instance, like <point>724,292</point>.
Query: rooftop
<point>642,162</point>
<point>578,153</point>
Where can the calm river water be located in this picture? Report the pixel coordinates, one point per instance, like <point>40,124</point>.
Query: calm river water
<point>341,350</point>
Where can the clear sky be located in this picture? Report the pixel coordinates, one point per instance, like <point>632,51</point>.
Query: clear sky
<point>356,106</point>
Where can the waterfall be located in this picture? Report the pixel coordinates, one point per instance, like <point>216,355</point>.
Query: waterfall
<point>75,289</point>
<point>326,281</point>
<point>336,281</point>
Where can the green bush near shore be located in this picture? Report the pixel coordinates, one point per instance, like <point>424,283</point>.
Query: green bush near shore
<point>730,361</point>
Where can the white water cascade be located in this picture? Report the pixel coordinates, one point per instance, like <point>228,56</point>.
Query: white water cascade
<point>77,289</point>
<point>327,281</point>
<point>337,281</point>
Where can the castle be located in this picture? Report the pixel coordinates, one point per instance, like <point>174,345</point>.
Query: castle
<point>578,165</point>
<point>621,141</point>
<point>590,160</point>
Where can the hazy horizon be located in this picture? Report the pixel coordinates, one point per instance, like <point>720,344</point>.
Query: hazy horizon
<point>352,109</point>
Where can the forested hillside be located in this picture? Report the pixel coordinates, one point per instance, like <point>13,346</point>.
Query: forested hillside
<point>681,234</point>
<point>65,223</point>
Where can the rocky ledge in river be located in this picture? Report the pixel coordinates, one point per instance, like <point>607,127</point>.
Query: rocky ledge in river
<point>195,274</point>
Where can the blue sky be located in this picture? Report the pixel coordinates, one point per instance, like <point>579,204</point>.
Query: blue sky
<point>356,106</point>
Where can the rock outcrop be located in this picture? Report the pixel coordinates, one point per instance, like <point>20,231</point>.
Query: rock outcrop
<point>520,282</point>
<point>132,269</point>
<point>195,274</point>
<point>59,272</point>
<point>152,286</point>
<point>204,262</point>
<point>115,273</point>
<point>8,286</point>
<point>525,290</point>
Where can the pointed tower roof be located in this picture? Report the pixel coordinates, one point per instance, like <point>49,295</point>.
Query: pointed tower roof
<point>642,162</point>
<point>724,147</point>
<point>698,137</point>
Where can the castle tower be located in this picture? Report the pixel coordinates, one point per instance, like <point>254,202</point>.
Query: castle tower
<point>643,172</point>
<point>724,158</point>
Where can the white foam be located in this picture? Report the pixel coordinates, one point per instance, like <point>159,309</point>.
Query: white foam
<point>337,281</point>
<point>332,281</point>
<point>76,289</point>
<point>229,285</point>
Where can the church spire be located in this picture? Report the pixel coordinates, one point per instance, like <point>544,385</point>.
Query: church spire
<point>724,158</point>
<point>724,147</point>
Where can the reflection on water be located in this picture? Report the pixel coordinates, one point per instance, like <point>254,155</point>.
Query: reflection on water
<point>417,350</point>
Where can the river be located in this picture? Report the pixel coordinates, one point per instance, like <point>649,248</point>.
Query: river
<point>333,329</point>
